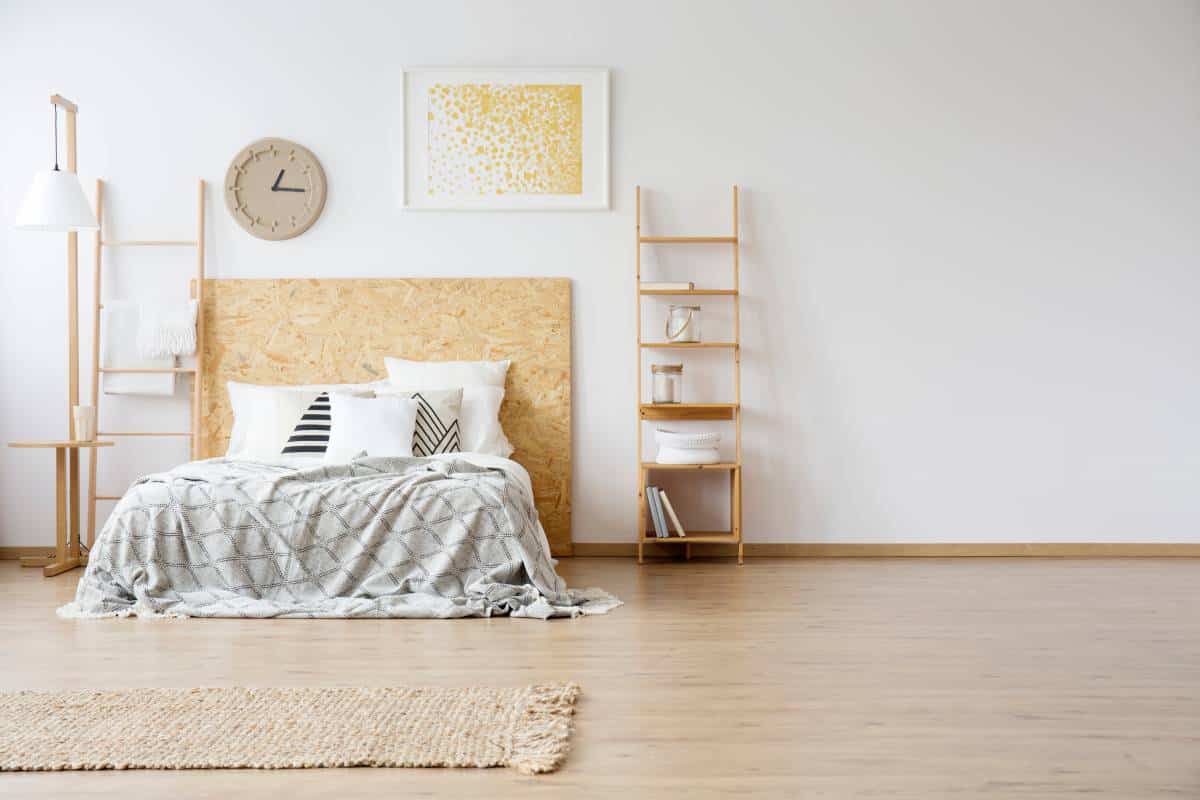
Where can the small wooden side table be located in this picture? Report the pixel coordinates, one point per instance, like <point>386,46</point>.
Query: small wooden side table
<point>67,552</point>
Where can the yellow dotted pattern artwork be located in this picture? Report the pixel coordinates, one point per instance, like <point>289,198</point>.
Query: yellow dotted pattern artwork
<point>498,139</point>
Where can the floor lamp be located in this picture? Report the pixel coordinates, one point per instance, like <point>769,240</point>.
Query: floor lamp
<point>55,202</point>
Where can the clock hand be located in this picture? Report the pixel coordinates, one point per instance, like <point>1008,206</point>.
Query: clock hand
<point>288,189</point>
<point>278,178</point>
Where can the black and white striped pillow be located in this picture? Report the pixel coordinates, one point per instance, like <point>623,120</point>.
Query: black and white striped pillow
<point>311,434</point>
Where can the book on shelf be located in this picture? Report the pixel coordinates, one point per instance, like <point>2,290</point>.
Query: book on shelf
<point>662,514</point>
<point>656,512</point>
<point>668,286</point>
<point>666,503</point>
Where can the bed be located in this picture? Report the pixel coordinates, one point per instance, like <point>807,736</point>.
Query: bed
<point>448,535</point>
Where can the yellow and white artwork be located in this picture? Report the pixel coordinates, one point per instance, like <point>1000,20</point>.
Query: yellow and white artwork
<point>506,139</point>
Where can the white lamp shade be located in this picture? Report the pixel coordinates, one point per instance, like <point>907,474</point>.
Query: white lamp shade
<point>55,202</point>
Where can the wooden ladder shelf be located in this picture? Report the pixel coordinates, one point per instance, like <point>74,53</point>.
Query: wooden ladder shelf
<point>193,434</point>
<point>648,412</point>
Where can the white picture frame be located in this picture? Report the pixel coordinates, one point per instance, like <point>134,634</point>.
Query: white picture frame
<point>434,166</point>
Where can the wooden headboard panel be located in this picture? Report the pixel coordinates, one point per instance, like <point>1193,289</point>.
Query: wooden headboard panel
<point>338,331</point>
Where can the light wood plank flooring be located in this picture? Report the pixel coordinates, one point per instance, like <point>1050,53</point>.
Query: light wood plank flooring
<point>997,678</point>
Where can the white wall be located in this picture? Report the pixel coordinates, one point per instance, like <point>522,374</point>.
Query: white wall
<point>972,230</point>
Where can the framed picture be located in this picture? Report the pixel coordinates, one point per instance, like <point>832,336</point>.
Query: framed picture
<point>506,138</point>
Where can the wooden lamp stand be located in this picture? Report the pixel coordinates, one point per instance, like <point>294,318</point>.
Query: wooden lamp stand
<point>68,553</point>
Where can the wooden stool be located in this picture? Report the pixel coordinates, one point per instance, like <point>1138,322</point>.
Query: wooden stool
<point>68,554</point>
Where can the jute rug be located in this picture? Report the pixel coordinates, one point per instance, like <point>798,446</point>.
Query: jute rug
<point>527,728</point>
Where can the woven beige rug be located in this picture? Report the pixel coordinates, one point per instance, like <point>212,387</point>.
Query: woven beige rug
<point>527,728</point>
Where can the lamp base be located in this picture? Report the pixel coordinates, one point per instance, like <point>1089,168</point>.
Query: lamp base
<point>66,565</point>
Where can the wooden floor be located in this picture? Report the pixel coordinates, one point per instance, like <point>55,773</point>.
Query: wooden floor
<point>996,678</point>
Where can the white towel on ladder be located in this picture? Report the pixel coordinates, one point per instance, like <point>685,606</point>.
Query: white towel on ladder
<point>167,329</point>
<point>118,348</point>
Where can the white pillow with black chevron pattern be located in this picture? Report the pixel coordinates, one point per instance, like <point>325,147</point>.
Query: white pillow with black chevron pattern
<point>437,429</point>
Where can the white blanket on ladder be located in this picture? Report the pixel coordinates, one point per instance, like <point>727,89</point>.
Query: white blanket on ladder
<point>119,348</point>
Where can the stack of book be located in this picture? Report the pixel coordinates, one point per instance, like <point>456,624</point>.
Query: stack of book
<point>662,513</point>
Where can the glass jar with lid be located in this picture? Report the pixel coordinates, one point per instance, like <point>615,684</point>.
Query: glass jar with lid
<point>666,385</point>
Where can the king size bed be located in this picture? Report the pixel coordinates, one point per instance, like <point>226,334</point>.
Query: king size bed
<point>328,488</point>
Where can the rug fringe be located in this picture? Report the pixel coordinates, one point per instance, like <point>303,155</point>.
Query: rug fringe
<point>542,737</point>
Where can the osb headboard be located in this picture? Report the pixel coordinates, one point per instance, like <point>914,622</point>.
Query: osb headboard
<point>338,331</point>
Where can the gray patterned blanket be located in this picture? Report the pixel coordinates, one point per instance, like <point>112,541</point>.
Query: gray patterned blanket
<point>379,537</point>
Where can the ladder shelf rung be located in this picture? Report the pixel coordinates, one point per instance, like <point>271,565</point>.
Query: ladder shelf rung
<point>696,537</point>
<point>108,497</point>
<point>726,466</point>
<point>149,243</point>
<point>690,292</point>
<point>146,433</point>
<point>688,240</point>
<point>689,345</point>
<point>693,411</point>
<point>148,370</point>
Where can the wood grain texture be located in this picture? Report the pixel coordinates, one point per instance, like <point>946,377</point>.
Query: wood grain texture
<point>906,679</point>
<point>293,331</point>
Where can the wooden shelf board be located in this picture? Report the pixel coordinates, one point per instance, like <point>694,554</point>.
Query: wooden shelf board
<point>147,370</point>
<point>150,243</point>
<point>64,445</point>
<point>690,292</point>
<point>145,433</point>
<point>697,411</point>
<point>698,537</point>
<point>688,240</point>
<point>724,466</point>
<point>689,345</point>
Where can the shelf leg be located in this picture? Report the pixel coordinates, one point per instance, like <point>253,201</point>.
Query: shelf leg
<point>63,559</point>
<point>641,522</point>
<point>735,509</point>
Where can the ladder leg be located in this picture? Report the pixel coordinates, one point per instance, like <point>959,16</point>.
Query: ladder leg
<point>94,453</point>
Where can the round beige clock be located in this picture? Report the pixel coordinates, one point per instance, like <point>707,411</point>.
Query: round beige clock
<point>275,189</point>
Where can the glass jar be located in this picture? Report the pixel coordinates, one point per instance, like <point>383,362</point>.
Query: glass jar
<point>666,383</point>
<point>683,324</point>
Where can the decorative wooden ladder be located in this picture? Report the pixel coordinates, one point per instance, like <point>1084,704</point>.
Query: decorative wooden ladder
<point>692,411</point>
<point>197,294</point>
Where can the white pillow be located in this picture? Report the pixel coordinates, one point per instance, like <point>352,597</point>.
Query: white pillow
<point>378,426</point>
<point>265,417</point>
<point>445,374</point>
<point>483,393</point>
<point>480,421</point>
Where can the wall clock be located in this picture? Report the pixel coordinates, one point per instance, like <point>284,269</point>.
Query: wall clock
<point>275,189</point>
